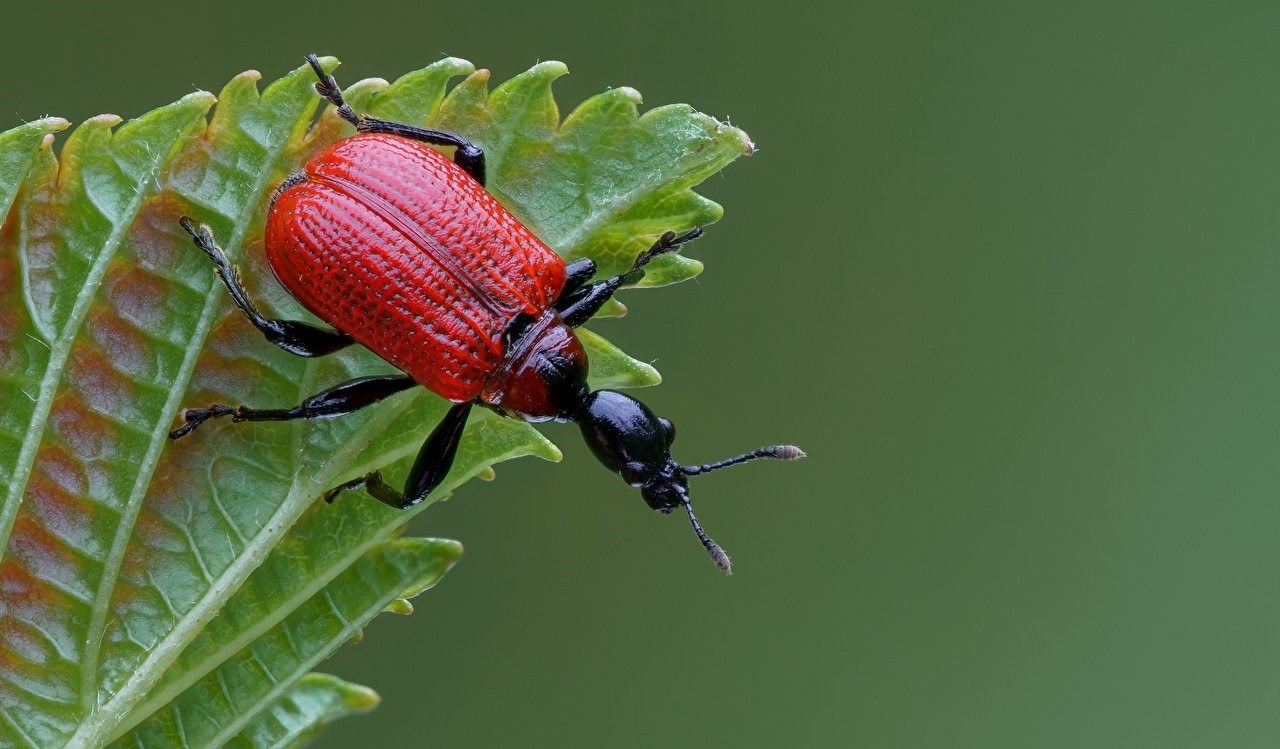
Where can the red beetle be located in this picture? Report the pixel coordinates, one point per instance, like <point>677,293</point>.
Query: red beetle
<point>404,252</point>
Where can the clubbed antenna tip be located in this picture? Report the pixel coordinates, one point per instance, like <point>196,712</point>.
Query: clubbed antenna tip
<point>720,558</point>
<point>787,452</point>
<point>717,554</point>
<point>773,452</point>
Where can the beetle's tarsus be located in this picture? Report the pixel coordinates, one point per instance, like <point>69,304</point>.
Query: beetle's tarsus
<point>202,237</point>
<point>666,243</point>
<point>328,88</point>
<point>194,417</point>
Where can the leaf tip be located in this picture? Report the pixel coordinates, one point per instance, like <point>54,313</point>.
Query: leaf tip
<point>745,143</point>
<point>647,376</point>
<point>464,67</point>
<point>105,120</point>
<point>50,124</point>
<point>431,558</point>
<point>549,452</point>
<point>549,69</point>
<point>628,93</point>
<point>199,98</point>
<point>399,606</point>
<point>359,698</point>
<point>613,308</point>
<point>449,549</point>
<point>729,134</point>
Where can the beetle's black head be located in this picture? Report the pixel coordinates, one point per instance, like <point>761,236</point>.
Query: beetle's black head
<point>634,443</point>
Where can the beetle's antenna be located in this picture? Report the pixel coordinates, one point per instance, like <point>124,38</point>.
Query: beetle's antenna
<point>717,554</point>
<point>774,452</point>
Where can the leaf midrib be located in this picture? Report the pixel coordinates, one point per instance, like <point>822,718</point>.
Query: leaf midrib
<point>218,593</point>
<point>97,628</point>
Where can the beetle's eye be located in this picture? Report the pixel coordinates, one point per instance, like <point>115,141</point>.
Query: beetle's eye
<point>634,473</point>
<point>669,428</point>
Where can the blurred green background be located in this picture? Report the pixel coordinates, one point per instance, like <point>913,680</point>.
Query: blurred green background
<point>1007,270</point>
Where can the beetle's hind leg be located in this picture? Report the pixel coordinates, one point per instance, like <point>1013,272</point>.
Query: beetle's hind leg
<point>577,303</point>
<point>340,400</point>
<point>468,155</point>
<point>429,469</point>
<point>300,338</point>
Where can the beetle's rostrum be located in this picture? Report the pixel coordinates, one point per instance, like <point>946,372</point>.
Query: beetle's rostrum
<point>403,251</point>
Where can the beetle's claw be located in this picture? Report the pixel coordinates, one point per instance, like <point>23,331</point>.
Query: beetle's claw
<point>673,241</point>
<point>333,493</point>
<point>194,417</point>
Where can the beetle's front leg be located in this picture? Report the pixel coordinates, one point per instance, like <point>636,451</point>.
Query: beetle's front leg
<point>576,305</point>
<point>298,338</point>
<point>432,465</point>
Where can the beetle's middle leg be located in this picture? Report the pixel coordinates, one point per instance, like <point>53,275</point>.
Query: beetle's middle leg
<point>468,155</point>
<point>296,337</point>
<point>577,303</point>
<point>339,400</point>
<point>429,469</point>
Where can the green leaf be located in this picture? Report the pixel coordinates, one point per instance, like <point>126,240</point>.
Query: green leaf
<point>220,705</point>
<point>303,711</point>
<point>605,182</point>
<point>156,593</point>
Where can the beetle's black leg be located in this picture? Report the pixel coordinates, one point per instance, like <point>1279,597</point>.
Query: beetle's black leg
<point>430,468</point>
<point>468,156</point>
<point>578,307</point>
<point>300,338</point>
<point>340,400</point>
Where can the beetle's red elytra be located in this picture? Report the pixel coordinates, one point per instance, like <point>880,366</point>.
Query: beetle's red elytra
<point>401,250</point>
<point>381,239</point>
